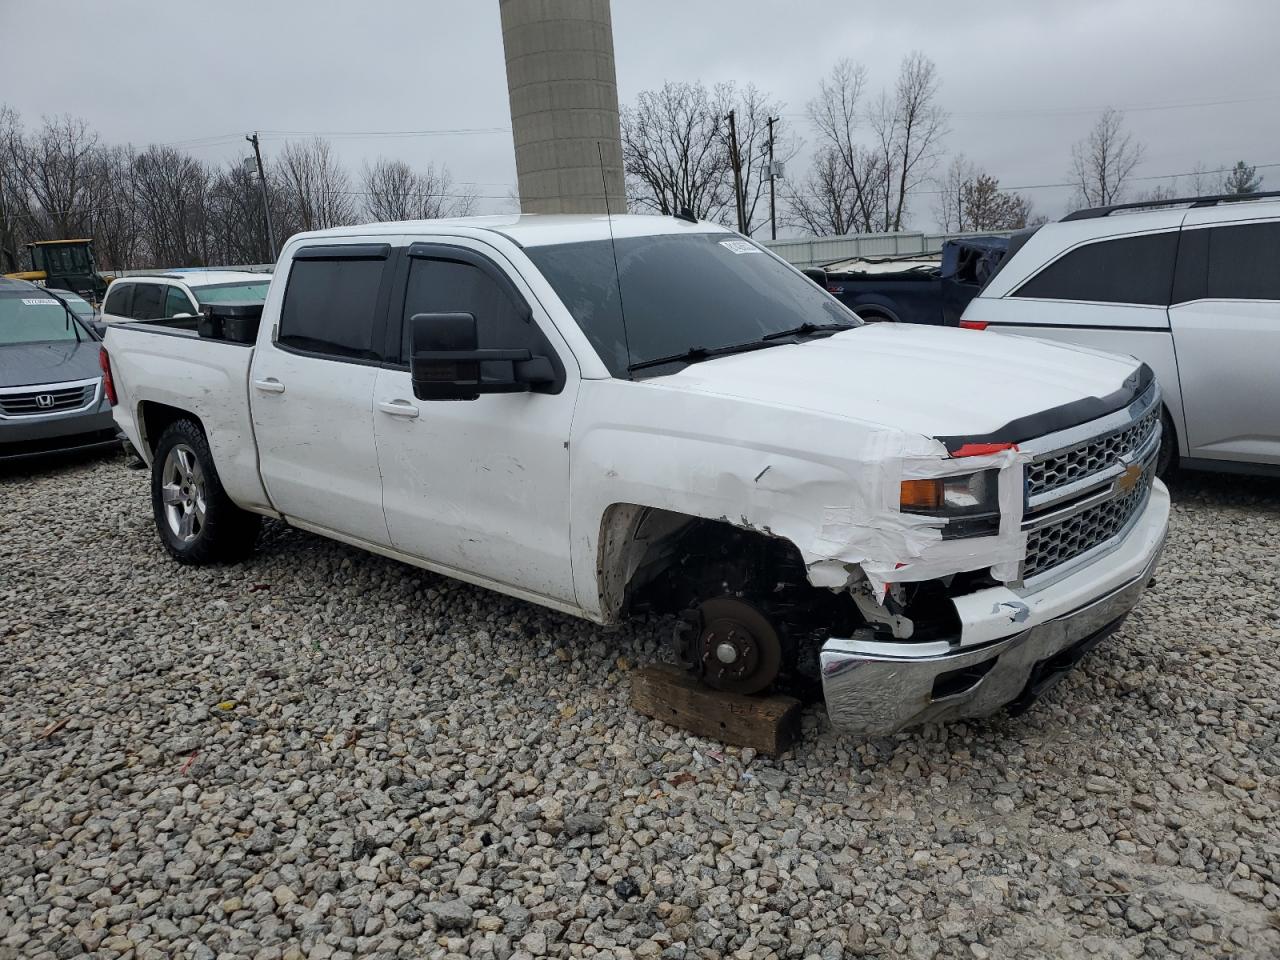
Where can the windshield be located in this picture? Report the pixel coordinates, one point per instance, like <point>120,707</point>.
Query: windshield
<point>32,318</point>
<point>246,291</point>
<point>78,304</point>
<point>681,292</point>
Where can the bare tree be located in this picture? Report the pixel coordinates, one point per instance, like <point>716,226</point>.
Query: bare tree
<point>395,191</point>
<point>847,189</point>
<point>673,152</point>
<point>909,128</point>
<point>752,110</point>
<point>824,201</point>
<point>15,210</point>
<point>316,188</point>
<point>115,223</point>
<point>1103,162</point>
<point>54,168</point>
<point>969,199</point>
<point>170,192</point>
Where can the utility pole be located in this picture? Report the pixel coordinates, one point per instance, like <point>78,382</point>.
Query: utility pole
<point>773,219</point>
<point>735,160</point>
<point>266,202</point>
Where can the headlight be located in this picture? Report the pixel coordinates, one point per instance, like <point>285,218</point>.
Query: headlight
<point>966,505</point>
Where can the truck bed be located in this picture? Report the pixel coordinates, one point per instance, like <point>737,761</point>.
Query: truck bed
<point>159,364</point>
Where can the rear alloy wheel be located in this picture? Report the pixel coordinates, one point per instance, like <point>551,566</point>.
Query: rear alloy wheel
<point>182,493</point>
<point>197,522</point>
<point>731,645</point>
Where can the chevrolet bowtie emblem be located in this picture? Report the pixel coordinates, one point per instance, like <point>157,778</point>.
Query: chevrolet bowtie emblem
<point>1131,477</point>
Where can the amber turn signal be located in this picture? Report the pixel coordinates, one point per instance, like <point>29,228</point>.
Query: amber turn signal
<point>924,495</point>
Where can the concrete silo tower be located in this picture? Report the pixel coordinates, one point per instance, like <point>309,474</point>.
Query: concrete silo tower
<point>564,104</point>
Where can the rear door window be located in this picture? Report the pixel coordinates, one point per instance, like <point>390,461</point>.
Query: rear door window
<point>1243,262</point>
<point>1125,270</point>
<point>176,302</point>
<point>148,301</point>
<point>332,303</point>
<point>118,299</point>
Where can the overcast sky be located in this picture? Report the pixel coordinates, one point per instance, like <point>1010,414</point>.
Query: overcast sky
<point>1022,80</point>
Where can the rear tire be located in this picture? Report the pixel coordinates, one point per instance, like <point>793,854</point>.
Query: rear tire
<point>197,522</point>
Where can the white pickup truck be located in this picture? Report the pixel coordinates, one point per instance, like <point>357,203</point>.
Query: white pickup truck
<point>607,416</point>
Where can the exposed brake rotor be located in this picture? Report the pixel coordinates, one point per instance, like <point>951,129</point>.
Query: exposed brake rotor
<point>730,644</point>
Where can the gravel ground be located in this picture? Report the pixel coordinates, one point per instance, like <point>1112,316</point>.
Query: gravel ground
<point>322,753</point>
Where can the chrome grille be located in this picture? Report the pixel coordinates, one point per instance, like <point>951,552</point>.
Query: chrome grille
<point>1055,544</point>
<point>1095,454</point>
<point>42,400</point>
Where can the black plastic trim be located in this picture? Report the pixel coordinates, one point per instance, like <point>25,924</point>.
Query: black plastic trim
<point>1092,213</point>
<point>1081,326</point>
<point>1060,418</point>
<point>344,251</point>
<point>442,251</point>
<point>146,327</point>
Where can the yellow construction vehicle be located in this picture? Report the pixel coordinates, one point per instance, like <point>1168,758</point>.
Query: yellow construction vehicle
<point>65,265</point>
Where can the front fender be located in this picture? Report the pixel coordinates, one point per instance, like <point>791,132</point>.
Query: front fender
<point>829,485</point>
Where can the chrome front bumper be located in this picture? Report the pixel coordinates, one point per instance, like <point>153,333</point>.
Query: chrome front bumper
<point>874,688</point>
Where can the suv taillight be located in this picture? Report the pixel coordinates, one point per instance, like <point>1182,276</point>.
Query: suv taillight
<point>973,324</point>
<point>108,385</point>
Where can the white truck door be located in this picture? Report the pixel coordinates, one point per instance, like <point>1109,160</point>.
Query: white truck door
<point>311,390</point>
<point>478,486</point>
<point>1226,331</point>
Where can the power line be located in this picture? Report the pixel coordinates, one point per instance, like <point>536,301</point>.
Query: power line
<point>372,134</point>
<point>1086,111</point>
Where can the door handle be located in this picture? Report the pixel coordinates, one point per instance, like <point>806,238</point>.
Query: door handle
<point>269,385</point>
<point>398,408</point>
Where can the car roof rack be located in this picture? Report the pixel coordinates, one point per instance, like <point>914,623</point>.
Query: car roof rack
<point>1091,213</point>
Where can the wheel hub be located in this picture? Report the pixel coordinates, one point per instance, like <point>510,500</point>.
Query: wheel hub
<point>731,644</point>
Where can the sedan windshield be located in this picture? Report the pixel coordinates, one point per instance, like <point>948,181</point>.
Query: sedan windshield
<point>694,294</point>
<point>81,307</point>
<point>34,318</point>
<point>248,291</point>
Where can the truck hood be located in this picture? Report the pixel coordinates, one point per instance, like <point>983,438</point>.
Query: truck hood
<point>51,362</point>
<point>935,381</point>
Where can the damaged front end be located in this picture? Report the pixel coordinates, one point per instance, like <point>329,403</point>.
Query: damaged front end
<point>918,597</point>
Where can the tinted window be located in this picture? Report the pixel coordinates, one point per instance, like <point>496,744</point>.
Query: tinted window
<point>148,301</point>
<point>1127,270</point>
<point>1244,262</point>
<point>680,291</point>
<point>445,286</point>
<point>330,307</point>
<point>118,299</point>
<point>176,302</point>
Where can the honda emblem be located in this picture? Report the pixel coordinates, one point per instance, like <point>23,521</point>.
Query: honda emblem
<point>44,400</point>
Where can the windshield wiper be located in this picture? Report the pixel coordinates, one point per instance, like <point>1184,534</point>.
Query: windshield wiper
<point>697,354</point>
<point>73,323</point>
<point>805,329</point>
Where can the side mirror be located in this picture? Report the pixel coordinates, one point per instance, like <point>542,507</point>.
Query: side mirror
<point>817,275</point>
<point>447,363</point>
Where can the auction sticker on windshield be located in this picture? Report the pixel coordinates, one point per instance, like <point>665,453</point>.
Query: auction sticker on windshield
<point>39,301</point>
<point>739,246</point>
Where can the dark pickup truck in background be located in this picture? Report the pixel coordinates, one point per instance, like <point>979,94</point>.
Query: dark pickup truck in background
<point>918,288</point>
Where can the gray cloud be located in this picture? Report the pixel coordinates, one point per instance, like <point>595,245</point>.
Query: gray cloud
<point>1021,80</point>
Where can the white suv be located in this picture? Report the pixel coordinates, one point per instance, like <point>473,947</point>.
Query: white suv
<point>1191,287</point>
<point>180,293</point>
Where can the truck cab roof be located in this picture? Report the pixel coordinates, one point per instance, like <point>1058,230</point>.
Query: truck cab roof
<point>533,229</point>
